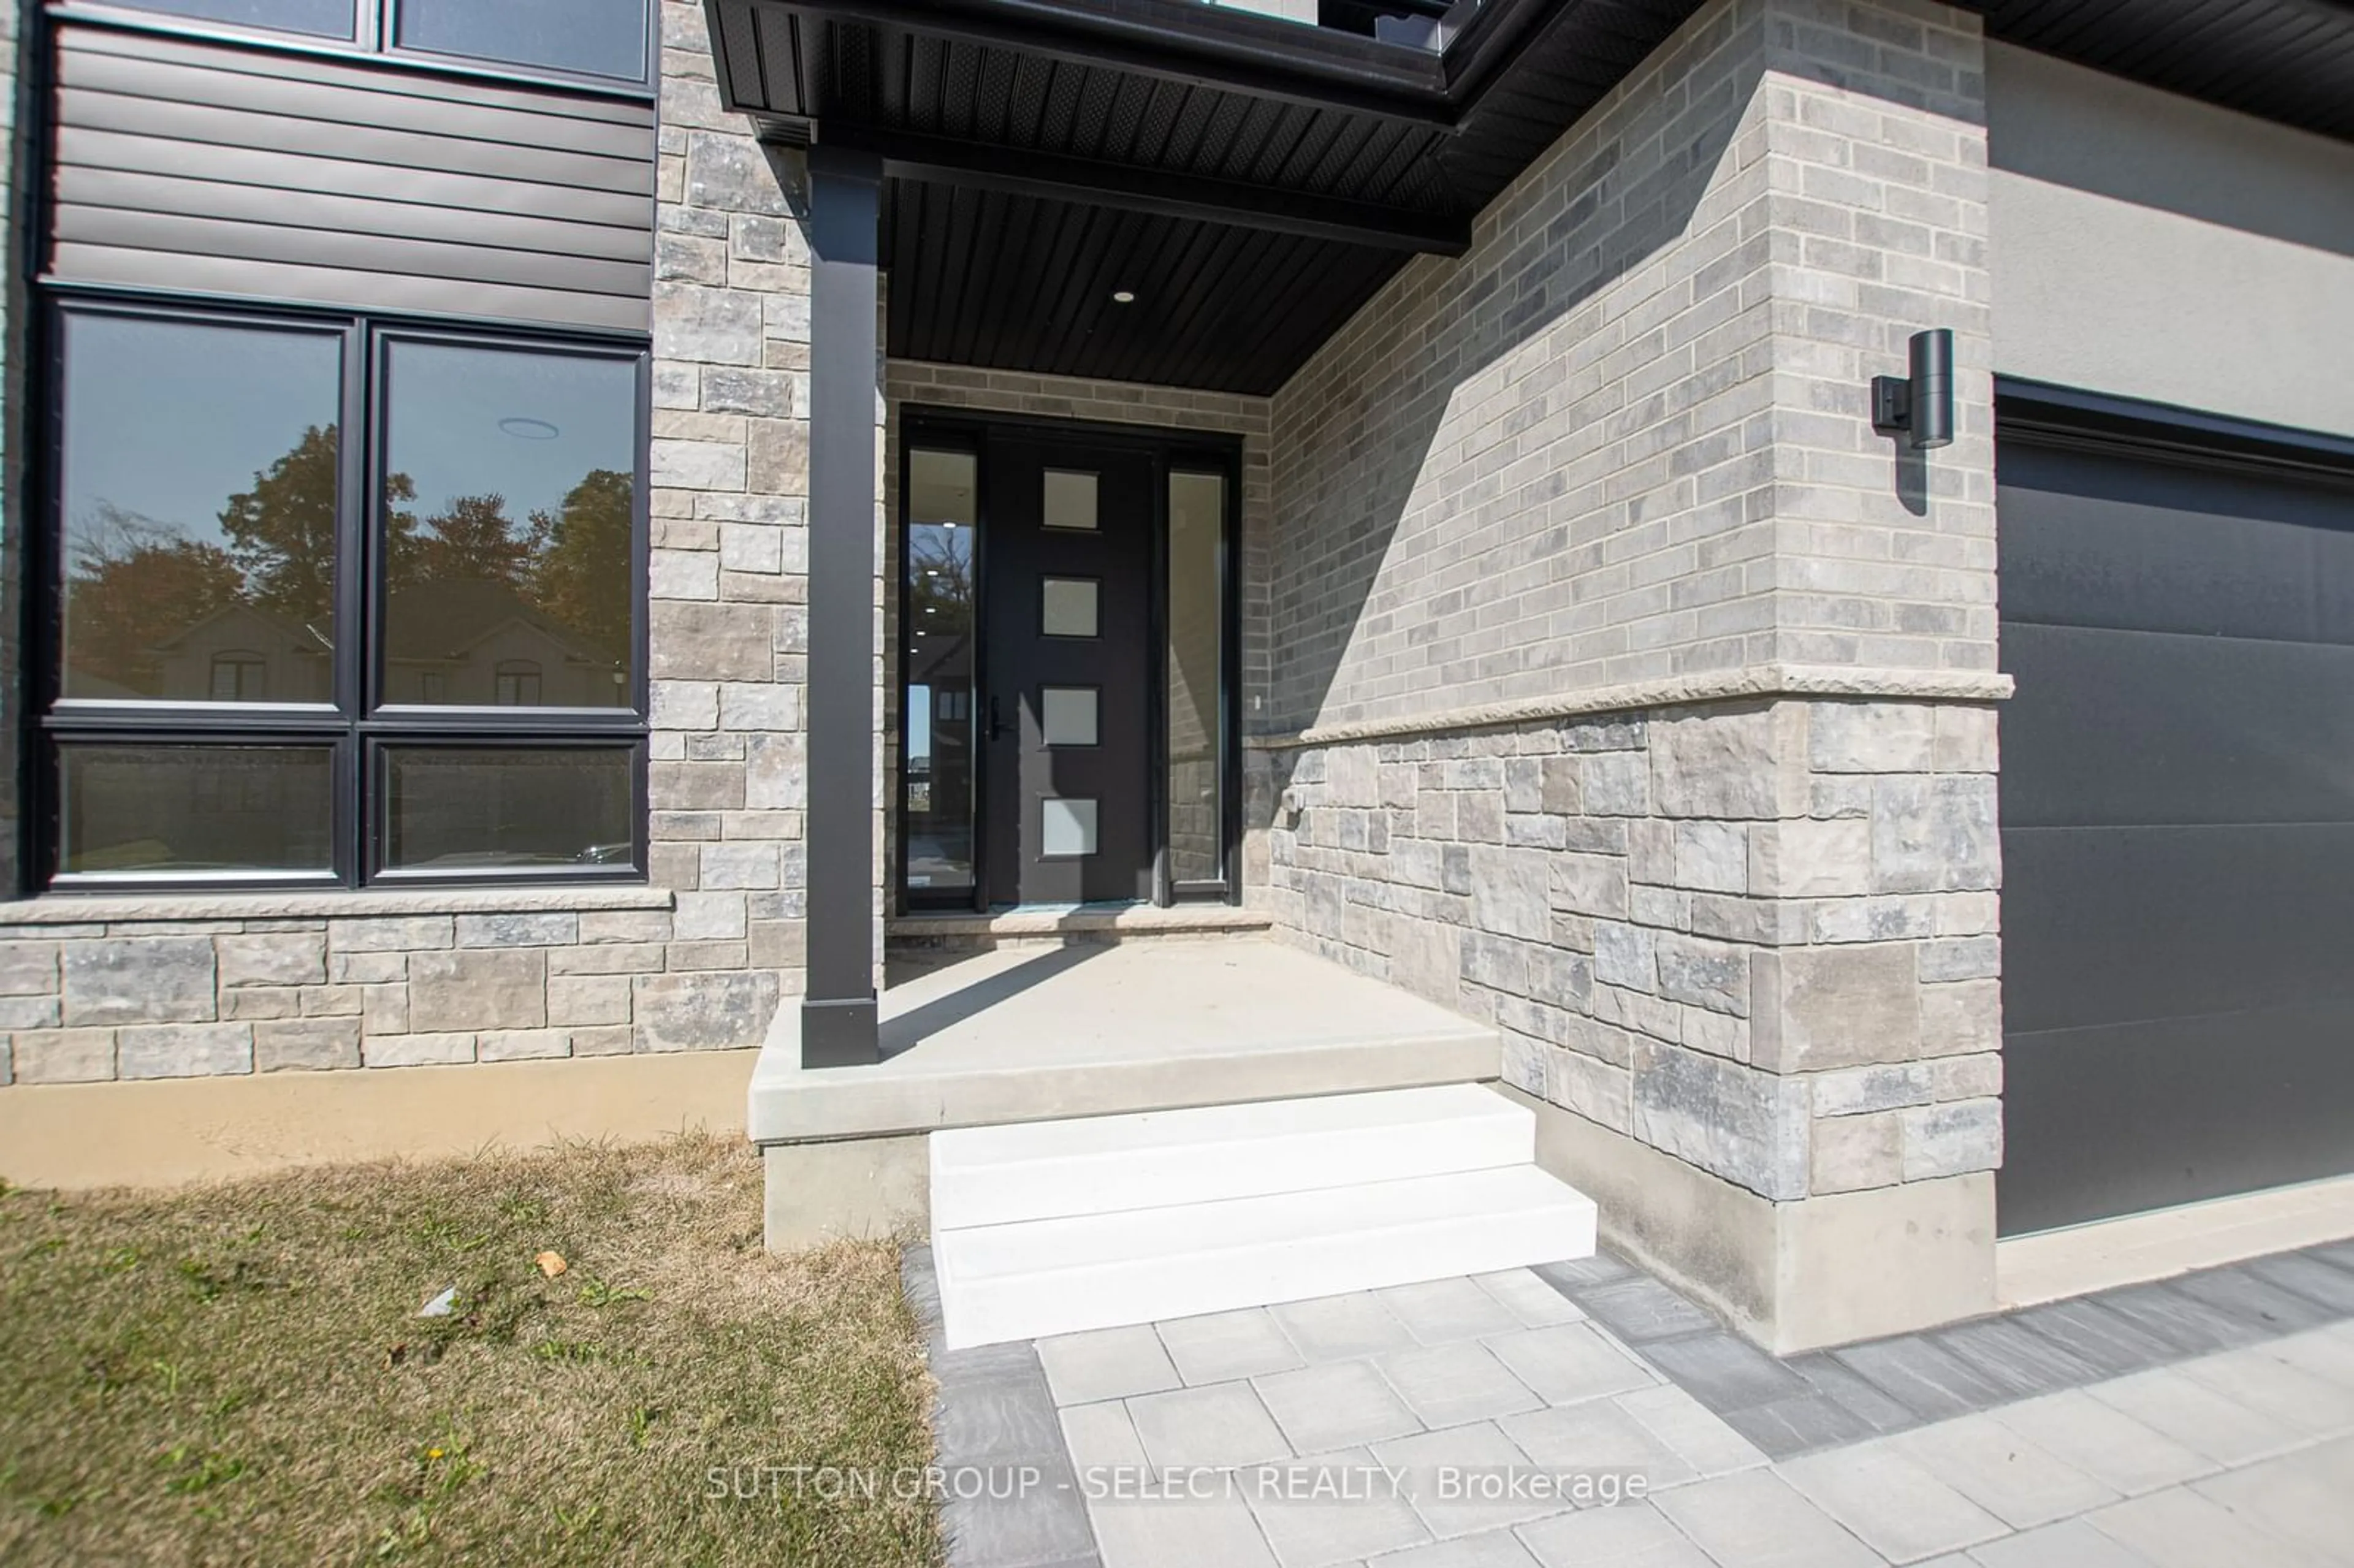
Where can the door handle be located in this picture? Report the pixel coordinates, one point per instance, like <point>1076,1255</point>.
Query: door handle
<point>996,727</point>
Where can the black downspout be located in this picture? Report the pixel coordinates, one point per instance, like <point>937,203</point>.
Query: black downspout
<point>838,1018</point>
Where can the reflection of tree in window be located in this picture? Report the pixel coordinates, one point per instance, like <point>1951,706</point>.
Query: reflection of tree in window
<point>936,764</point>
<point>125,568</point>
<point>201,516</point>
<point>518,684</point>
<point>281,533</point>
<point>564,575</point>
<point>198,497</point>
<point>274,581</point>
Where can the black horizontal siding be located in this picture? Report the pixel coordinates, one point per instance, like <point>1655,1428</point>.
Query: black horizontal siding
<point>192,165</point>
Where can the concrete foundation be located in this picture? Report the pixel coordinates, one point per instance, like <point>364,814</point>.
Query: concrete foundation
<point>1825,1270</point>
<point>854,1187</point>
<point>212,1129</point>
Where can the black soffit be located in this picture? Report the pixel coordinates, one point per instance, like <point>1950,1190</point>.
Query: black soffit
<point>2286,60</point>
<point>1252,182</point>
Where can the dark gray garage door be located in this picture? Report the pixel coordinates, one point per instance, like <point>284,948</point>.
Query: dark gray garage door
<point>2178,827</point>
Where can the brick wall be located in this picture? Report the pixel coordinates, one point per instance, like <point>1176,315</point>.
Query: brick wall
<point>1626,437</point>
<point>172,987</point>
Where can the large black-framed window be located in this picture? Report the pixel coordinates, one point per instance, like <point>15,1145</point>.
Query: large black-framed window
<point>276,656</point>
<point>609,42</point>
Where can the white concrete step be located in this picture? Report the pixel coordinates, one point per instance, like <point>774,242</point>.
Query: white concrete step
<point>1157,1160</point>
<point>1058,1275</point>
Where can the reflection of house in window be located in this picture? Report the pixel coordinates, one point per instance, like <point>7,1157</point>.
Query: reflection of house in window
<point>244,654</point>
<point>518,683</point>
<point>481,644</point>
<point>240,675</point>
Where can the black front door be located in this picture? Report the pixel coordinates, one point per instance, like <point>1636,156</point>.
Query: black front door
<point>1066,721</point>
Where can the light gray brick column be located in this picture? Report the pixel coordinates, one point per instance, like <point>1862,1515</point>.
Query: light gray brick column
<point>728,592</point>
<point>1639,696</point>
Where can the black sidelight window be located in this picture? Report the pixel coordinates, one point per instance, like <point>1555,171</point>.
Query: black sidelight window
<point>596,39</point>
<point>281,655</point>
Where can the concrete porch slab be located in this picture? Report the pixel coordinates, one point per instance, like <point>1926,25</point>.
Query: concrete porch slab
<point>1098,1029</point>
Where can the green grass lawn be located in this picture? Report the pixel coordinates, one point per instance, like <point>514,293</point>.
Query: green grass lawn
<point>237,1373</point>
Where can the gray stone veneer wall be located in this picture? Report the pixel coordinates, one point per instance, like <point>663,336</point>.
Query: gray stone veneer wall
<point>1637,696</point>
<point>1760,937</point>
<point>175,987</point>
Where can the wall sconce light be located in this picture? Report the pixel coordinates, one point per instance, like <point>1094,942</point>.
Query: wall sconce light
<point>1922,404</point>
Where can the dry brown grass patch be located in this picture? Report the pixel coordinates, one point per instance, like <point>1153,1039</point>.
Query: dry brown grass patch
<point>237,1373</point>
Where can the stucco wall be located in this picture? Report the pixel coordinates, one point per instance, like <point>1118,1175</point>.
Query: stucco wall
<point>2154,247</point>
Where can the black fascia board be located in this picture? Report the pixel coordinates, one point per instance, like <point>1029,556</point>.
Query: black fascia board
<point>1483,47</point>
<point>1175,40</point>
<point>1058,177</point>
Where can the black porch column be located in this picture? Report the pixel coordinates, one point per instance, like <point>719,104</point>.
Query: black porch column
<point>838,1025</point>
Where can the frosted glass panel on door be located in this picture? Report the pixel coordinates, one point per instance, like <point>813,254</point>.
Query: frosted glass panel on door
<point>1069,608</point>
<point>1070,500</point>
<point>1066,714</point>
<point>1066,827</point>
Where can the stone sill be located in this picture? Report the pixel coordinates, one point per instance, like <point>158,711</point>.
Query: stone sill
<point>343,903</point>
<point>1759,683</point>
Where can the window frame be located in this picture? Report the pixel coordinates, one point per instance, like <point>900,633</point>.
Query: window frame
<point>390,332</point>
<point>375,29</point>
<point>354,723</point>
<point>373,796</point>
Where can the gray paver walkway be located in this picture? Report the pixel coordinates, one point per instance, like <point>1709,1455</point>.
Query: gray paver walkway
<point>1584,1414</point>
